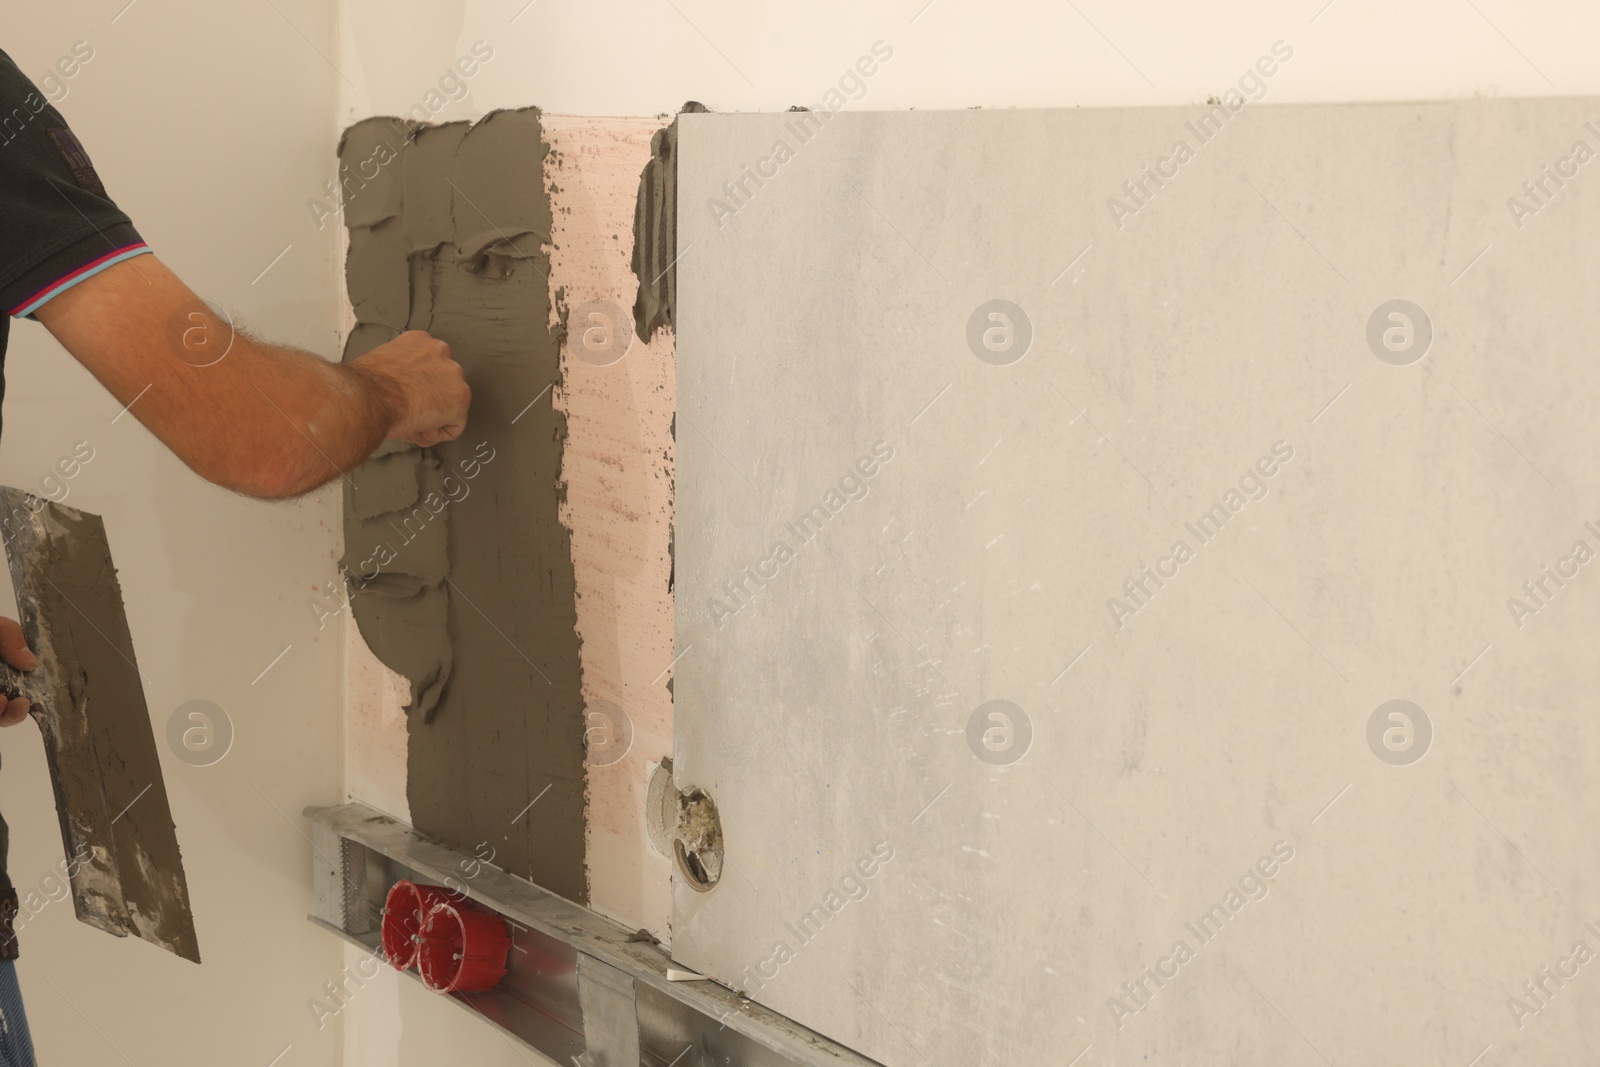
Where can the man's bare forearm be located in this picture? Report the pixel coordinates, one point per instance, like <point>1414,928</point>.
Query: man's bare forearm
<point>313,421</point>
<point>262,419</point>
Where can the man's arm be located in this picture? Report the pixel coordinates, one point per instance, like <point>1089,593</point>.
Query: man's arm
<point>257,418</point>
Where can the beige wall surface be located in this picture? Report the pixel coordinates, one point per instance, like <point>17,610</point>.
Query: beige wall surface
<point>211,125</point>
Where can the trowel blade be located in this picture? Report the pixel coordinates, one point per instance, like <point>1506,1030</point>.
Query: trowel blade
<point>88,699</point>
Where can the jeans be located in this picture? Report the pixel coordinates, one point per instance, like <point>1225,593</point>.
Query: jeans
<point>16,1047</point>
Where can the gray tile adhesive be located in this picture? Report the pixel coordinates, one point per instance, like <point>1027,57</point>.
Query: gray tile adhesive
<point>460,569</point>
<point>655,252</point>
<point>655,231</point>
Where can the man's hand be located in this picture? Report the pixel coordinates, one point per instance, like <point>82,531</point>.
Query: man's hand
<point>14,647</point>
<point>429,392</point>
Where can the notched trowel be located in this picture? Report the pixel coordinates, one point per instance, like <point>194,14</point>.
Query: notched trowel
<point>88,699</point>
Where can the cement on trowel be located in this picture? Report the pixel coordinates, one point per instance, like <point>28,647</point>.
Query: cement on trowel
<point>88,698</point>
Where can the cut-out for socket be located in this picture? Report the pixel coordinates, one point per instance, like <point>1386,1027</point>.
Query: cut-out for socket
<point>686,828</point>
<point>698,844</point>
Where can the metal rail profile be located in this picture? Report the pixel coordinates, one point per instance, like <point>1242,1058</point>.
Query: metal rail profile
<point>581,988</point>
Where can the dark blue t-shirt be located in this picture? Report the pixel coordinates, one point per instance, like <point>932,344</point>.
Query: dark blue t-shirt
<point>57,224</point>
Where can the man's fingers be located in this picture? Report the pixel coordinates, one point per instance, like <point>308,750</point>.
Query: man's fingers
<point>434,437</point>
<point>14,647</point>
<point>428,384</point>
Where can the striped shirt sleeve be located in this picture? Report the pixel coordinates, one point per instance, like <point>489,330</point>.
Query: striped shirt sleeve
<point>58,225</point>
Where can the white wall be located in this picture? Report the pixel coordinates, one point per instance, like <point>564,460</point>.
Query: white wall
<point>210,124</point>
<point>640,57</point>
